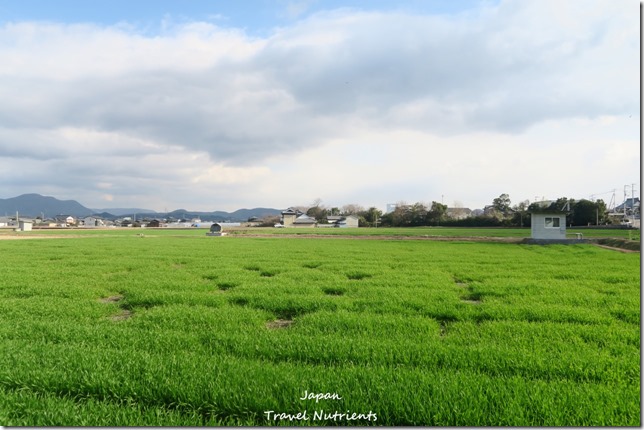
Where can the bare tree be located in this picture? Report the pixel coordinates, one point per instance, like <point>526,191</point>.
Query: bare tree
<point>457,210</point>
<point>316,203</point>
<point>352,209</point>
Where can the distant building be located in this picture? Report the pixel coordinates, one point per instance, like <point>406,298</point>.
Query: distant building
<point>296,218</point>
<point>629,205</point>
<point>289,216</point>
<point>304,221</point>
<point>92,221</point>
<point>459,213</point>
<point>25,225</point>
<point>343,221</point>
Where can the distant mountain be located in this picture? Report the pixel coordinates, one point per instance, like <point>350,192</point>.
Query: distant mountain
<point>35,205</point>
<point>123,211</point>
<point>239,215</point>
<point>244,214</point>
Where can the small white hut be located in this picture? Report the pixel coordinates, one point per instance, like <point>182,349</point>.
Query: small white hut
<point>25,225</point>
<point>548,225</point>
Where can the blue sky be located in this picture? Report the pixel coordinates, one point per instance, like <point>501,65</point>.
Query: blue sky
<point>254,13</point>
<point>205,105</point>
<point>254,16</point>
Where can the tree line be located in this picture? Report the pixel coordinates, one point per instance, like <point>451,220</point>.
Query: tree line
<point>500,213</point>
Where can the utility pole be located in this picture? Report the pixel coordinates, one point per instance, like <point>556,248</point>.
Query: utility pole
<point>632,204</point>
<point>625,202</point>
<point>612,201</point>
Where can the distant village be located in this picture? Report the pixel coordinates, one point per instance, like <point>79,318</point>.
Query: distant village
<point>498,214</point>
<point>289,218</point>
<point>68,221</point>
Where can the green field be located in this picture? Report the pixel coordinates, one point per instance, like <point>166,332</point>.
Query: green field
<point>176,328</point>
<point>428,232</point>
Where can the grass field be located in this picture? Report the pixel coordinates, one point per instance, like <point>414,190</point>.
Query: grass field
<point>428,232</point>
<point>182,329</point>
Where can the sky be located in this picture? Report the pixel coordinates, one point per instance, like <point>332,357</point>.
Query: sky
<point>221,105</point>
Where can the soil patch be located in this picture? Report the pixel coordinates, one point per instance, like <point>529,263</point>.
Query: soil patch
<point>471,301</point>
<point>111,299</point>
<point>277,324</point>
<point>125,314</point>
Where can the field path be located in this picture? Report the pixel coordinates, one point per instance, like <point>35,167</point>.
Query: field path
<point>617,249</point>
<point>387,237</point>
<point>41,236</point>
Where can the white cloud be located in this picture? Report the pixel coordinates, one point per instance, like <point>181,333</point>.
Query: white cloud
<point>340,105</point>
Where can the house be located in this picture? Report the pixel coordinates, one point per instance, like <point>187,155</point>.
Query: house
<point>630,205</point>
<point>154,223</point>
<point>295,218</point>
<point>65,221</point>
<point>333,219</point>
<point>92,221</point>
<point>289,216</point>
<point>343,221</point>
<point>303,221</point>
<point>48,222</point>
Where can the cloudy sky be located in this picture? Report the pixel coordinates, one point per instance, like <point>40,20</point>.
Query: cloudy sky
<point>221,105</point>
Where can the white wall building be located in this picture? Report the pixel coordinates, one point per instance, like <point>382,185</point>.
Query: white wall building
<point>548,225</point>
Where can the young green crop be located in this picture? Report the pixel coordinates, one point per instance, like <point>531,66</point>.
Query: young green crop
<point>402,232</point>
<point>192,330</point>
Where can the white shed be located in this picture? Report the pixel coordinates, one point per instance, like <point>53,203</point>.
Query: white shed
<point>548,225</point>
<point>24,225</point>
